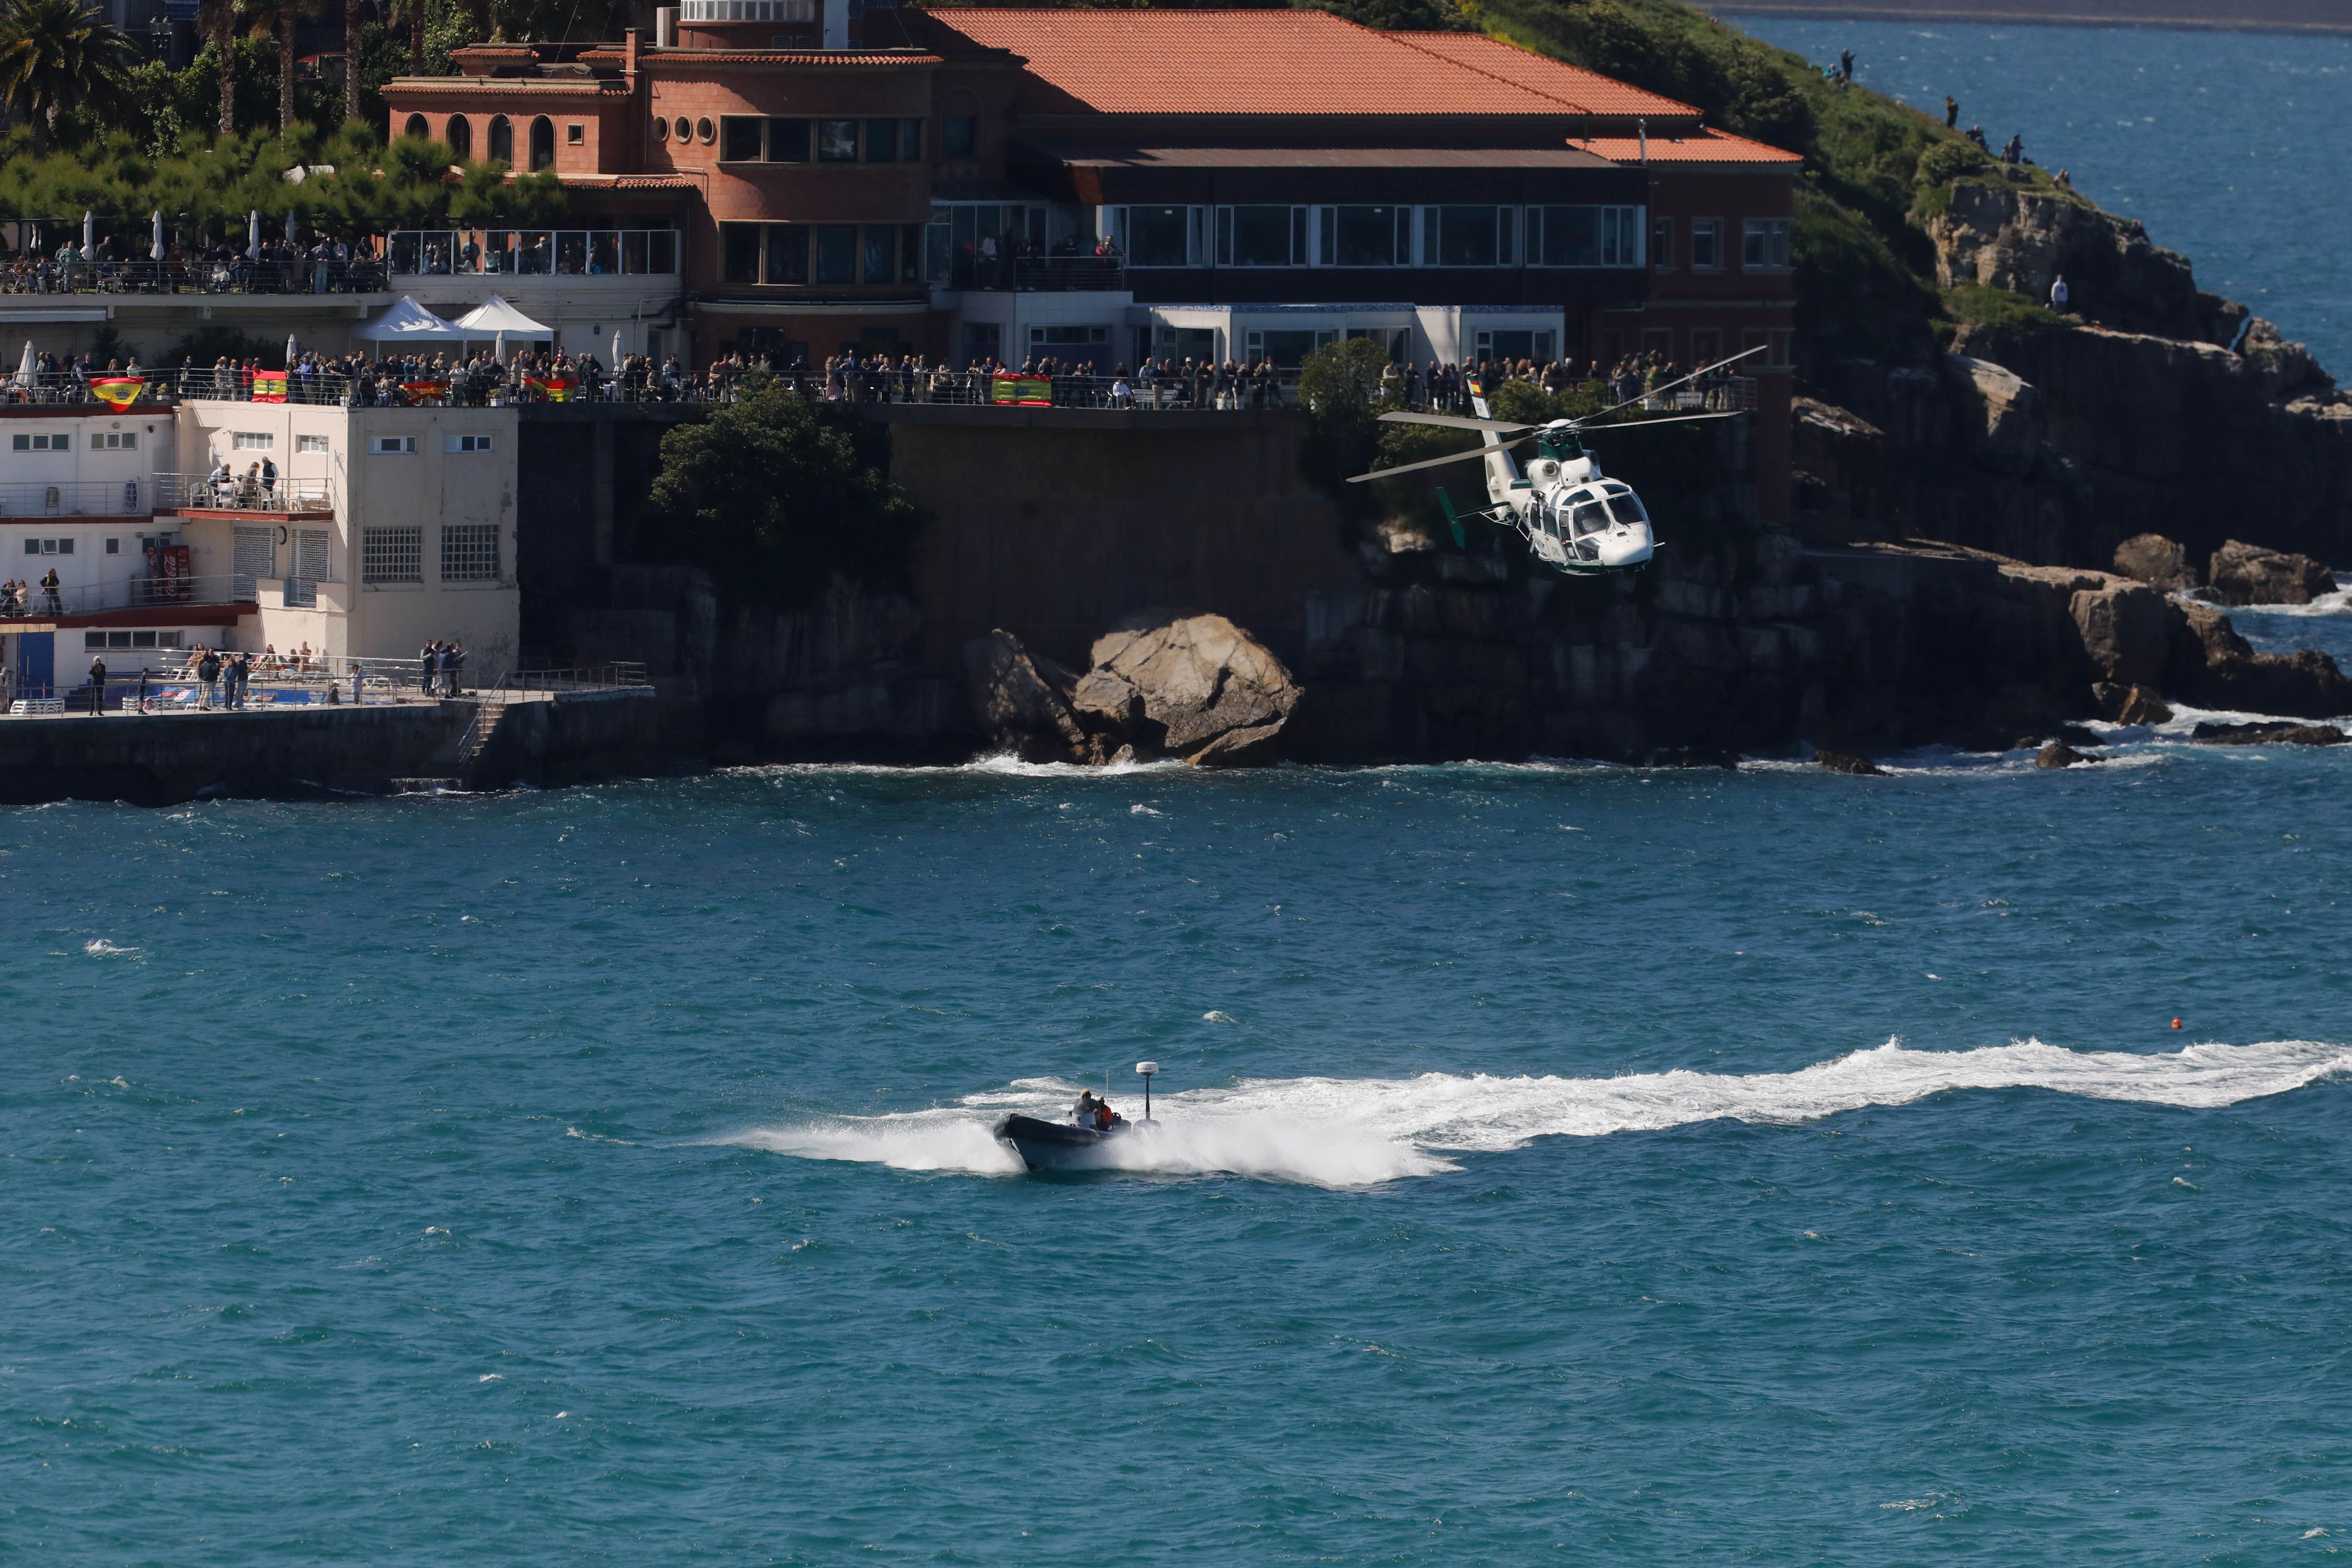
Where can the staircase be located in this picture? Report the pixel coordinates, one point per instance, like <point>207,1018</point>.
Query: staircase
<point>453,762</point>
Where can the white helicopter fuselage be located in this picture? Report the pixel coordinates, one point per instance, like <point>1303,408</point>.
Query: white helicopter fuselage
<point>1574,518</point>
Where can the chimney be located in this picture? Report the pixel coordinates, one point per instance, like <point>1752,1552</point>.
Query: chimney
<point>629,56</point>
<point>665,28</point>
<point>837,24</point>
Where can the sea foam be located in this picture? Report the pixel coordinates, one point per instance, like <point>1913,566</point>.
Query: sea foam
<point>1350,1132</point>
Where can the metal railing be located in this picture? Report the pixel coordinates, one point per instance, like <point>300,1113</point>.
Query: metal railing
<point>219,274</point>
<point>616,676</point>
<point>532,252</point>
<point>36,603</point>
<point>77,498</point>
<point>242,492</point>
<point>1036,274</point>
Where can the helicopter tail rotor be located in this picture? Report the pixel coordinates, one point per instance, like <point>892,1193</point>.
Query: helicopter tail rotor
<point>1452,519</point>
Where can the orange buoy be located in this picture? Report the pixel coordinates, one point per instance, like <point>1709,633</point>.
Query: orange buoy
<point>2176,1023</point>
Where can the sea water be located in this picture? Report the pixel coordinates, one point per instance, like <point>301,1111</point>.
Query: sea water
<point>1556,1163</point>
<point>2232,147</point>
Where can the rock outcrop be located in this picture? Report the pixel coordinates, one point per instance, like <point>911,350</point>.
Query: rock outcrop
<point>2059,754</point>
<point>2158,562</point>
<point>2244,573</point>
<point>2259,734</point>
<point>1195,687</point>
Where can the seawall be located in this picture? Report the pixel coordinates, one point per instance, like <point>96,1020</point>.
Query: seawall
<point>159,759</point>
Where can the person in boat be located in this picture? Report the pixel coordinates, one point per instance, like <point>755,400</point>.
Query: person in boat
<point>1084,1115</point>
<point>1105,1116</point>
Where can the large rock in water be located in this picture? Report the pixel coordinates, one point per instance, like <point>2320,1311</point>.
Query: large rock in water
<point>2246,574</point>
<point>1218,695</point>
<point>2158,562</point>
<point>2126,633</point>
<point>1021,699</point>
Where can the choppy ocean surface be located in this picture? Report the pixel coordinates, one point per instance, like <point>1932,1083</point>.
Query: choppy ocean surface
<point>2233,148</point>
<point>1559,1163</point>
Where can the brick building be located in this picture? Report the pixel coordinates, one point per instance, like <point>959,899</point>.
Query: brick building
<point>785,176</point>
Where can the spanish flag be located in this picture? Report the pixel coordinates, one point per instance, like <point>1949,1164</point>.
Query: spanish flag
<point>554,388</point>
<point>121,391</point>
<point>269,386</point>
<point>418,391</point>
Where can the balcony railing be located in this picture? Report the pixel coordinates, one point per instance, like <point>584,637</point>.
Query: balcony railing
<point>242,492</point>
<point>194,275</point>
<point>134,594</point>
<point>78,498</point>
<point>533,252</point>
<point>1037,274</point>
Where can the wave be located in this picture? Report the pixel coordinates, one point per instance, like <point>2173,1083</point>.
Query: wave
<point>1351,1132</point>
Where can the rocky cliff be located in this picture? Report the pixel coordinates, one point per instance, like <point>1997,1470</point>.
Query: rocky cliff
<point>2156,408</point>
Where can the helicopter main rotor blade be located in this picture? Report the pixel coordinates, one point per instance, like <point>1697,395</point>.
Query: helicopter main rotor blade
<point>1456,422</point>
<point>1703,370</point>
<point>1430,463</point>
<point>1677,419</point>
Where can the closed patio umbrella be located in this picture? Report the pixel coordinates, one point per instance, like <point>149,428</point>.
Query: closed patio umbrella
<point>252,231</point>
<point>290,350</point>
<point>28,369</point>
<point>155,243</point>
<point>88,233</point>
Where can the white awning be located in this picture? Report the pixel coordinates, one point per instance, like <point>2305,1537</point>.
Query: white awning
<point>408,321</point>
<point>493,317</point>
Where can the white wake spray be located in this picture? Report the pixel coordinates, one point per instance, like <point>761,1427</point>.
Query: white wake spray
<point>1349,1133</point>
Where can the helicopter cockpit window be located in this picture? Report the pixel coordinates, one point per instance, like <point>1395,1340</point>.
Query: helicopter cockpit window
<point>1628,507</point>
<point>1587,517</point>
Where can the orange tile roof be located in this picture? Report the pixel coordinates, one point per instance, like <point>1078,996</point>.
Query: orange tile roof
<point>1157,62</point>
<point>1589,91</point>
<point>1691,147</point>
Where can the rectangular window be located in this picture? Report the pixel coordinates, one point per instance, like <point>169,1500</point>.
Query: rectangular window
<point>1706,245</point>
<point>1259,237</point>
<point>1662,245</point>
<point>788,254</point>
<point>252,440</point>
<point>114,547</point>
<point>392,446</point>
<point>836,140</point>
<point>958,135</point>
<point>881,253</point>
<point>43,444</point>
<point>739,138</point>
<point>469,551</point>
<point>65,546</point>
<point>391,555</point>
<point>881,141</point>
<point>465,444</point>
<point>95,640</point>
<point>738,252</point>
<point>788,140</point>
<point>114,441</point>
<point>1158,237</point>
<point>911,140</point>
<point>1584,237</point>
<point>1368,237</point>
<point>836,253</point>
<point>310,443</point>
<point>147,639</point>
<point>1764,245</point>
<point>1467,237</point>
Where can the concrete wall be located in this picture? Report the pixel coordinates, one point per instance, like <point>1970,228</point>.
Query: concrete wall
<point>1053,523</point>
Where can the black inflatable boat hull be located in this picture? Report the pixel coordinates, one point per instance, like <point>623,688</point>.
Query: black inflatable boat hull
<point>1057,1145</point>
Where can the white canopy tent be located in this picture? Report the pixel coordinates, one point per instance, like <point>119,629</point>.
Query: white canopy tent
<point>406,322</point>
<point>494,317</point>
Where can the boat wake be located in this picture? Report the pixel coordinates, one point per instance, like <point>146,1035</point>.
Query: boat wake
<point>1353,1132</point>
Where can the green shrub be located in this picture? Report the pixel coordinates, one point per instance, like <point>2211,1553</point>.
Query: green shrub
<point>1952,159</point>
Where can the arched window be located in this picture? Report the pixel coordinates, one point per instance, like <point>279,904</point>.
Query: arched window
<point>542,144</point>
<point>416,127</point>
<point>502,140</point>
<point>460,137</point>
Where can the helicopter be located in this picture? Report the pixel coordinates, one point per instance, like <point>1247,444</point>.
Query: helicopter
<point>1575,519</point>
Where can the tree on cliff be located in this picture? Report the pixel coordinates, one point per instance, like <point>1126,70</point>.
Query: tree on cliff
<point>773,499</point>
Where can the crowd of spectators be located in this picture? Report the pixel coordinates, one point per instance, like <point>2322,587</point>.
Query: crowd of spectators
<point>273,266</point>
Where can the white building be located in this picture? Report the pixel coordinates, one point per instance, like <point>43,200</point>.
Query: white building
<point>355,531</point>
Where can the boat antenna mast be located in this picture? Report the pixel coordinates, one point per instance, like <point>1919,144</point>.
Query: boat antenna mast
<point>1146,1070</point>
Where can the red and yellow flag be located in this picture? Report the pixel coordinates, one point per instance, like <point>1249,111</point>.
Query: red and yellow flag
<point>418,391</point>
<point>1027,391</point>
<point>269,386</point>
<point>121,391</point>
<point>554,388</point>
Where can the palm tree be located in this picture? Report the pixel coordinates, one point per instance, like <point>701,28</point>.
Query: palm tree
<point>281,17</point>
<point>219,18</point>
<point>56,55</point>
